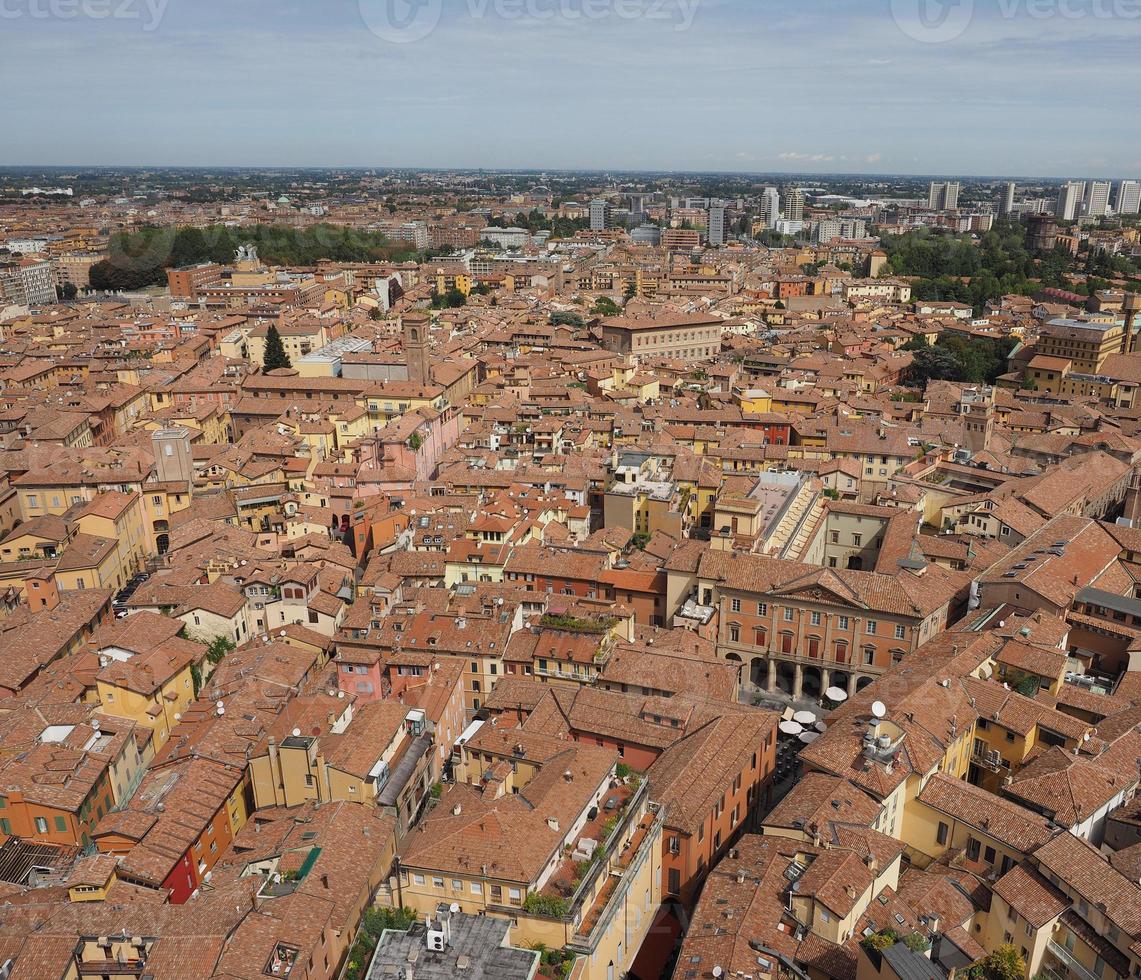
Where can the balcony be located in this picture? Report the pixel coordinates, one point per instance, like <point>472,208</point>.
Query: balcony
<point>1072,964</point>
<point>989,759</point>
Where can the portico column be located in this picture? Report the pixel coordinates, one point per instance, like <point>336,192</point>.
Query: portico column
<point>797,681</point>
<point>825,680</point>
<point>852,684</point>
<point>772,682</point>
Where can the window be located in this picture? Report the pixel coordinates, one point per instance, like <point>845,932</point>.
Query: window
<point>674,887</point>
<point>816,619</point>
<point>417,879</point>
<point>476,888</point>
<point>41,825</point>
<point>900,632</point>
<point>942,833</point>
<point>872,627</point>
<point>735,605</point>
<point>496,893</point>
<point>457,885</point>
<point>842,623</point>
<point>762,609</point>
<point>973,848</point>
<point>734,633</point>
<point>61,824</point>
<point>788,613</point>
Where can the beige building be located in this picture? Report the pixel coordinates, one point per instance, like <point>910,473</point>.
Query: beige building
<point>684,338</point>
<point>543,832</point>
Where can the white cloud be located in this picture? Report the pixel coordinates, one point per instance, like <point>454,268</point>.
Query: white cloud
<point>806,157</point>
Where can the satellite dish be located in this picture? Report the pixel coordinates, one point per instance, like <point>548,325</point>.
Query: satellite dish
<point>879,709</point>
<point>296,732</point>
<point>221,704</point>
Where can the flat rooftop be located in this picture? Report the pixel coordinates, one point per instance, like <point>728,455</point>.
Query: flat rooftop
<point>475,950</point>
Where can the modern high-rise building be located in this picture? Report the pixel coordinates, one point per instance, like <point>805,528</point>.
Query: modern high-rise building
<point>1007,206</point>
<point>943,196</point>
<point>770,206</point>
<point>599,214</point>
<point>1096,202</point>
<point>832,228</point>
<point>717,231</point>
<point>1070,196</point>
<point>1128,197</point>
<point>794,204</point>
<point>27,282</point>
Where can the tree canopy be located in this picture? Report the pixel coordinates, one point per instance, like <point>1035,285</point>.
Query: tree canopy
<point>275,356</point>
<point>1004,963</point>
<point>956,267</point>
<point>955,358</point>
<point>140,258</point>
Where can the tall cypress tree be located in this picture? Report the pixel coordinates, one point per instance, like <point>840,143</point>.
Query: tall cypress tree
<point>275,356</point>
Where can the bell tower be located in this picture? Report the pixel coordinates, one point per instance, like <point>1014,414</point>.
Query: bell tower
<point>417,330</point>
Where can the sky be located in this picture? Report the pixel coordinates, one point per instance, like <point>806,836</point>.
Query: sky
<point>941,87</point>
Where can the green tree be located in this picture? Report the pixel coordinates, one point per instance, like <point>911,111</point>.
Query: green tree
<point>275,356</point>
<point>605,306</point>
<point>933,364</point>
<point>1004,963</point>
<point>450,300</point>
<point>218,648</point>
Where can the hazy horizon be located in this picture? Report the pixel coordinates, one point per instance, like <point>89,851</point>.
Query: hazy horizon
<point>1037,88</point>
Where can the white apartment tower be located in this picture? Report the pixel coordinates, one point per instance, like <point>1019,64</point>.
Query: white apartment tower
<point>717,224</point>
<point>599,214</point>
<point>794,204</point>
<point>770,206</point>
<point>1096,202</point>
<point>1070,196</point>
<point>1007,198</point>
<point>943,196</point>
<point>1128,197</point>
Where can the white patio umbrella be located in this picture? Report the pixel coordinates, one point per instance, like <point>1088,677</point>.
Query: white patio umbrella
<point>805,717</point>
<point>791,727</point>
<point>836,694</point>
